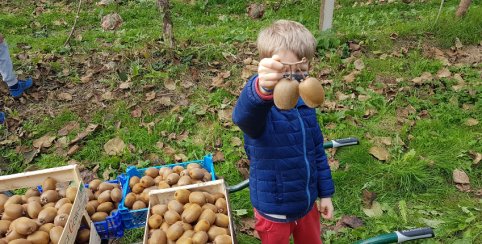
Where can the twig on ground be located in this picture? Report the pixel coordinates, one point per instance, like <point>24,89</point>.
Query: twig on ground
<point>73,27</point>
<point>439,11</point>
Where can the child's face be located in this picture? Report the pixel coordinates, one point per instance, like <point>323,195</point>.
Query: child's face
<point>290,57</point>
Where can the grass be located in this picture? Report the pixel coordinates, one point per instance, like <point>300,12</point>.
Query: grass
<point>429,192</point>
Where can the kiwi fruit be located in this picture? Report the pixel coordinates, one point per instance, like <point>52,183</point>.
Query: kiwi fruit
<point>166,173</point>
<point>61,202</point>
<point>222,239</point>
<point>172,179</point>
<point>188,234</point>
<point>202,225</point>
<point>209,198</point>
<point>134,180</point>
<point>208,215</point>
<point>163,185</point>
<point>32,192</point>
<point>185,226</point>
<point>20,241</point>
<point>139,205</point>
<point>144,197</point>
<point>159,209</point>
<point>3,241</point>
<point>215,231</point>
<point>6,217</point>
<point>49,196</point>
<point>151,172</point>
<point>65,209</point>
<point>177,169</point>
<point>198,198</point>
<point>94,185</point>
<point>3,199</point>
<point>200,237</point>
<point>147,181</point>
<point>187,205</point>
<point>104,186</point>
<point>48,205</point>
<point>158,237</point>
<point>47,215</point>
<point>157,180</point>
<point>90,210</point>
<point>176,206</point>
<point>222,220</point>
<point>175,231</point>
<point>55,234</point>
<point>99,216</point>
<point>191,214</point>
<point>196,174</point>
<point>171,217</point>
<point>130,200</point>
<point>165,226</point>
<point>185,172</point>
<point>15,211</point>
<point>62,192</point>
<point>155,221</point>
<point>4,226</point>
<point>104,197</point>
<point>106,207</point>
<point>207,177</point>
<point>138,188</point>
<point>97,194</point>
<point>183,240</point>
<point>61,220</point>
<point>193,166</point>
<point>13,235</point>
<point>34,199</point>
<point>24,226</point>
<point>15,199</point>
<point>83,236</point>
<point>184,180</point>
<point>90,194</point>
<point>286,94</point>
<point>312,92</point>
<point>33,209</point>
<point>46,227</point>
<point>71,193</point>
<point>49,184</point>
<point>182,196</point>
<point>94,203</point>
<point>39,237</point>
<point>116,195</point>
<point>221,205</point>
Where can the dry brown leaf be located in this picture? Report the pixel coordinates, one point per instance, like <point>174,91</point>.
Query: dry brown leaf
<point>126,85</point>
<point>368,198</point>
<point>73,150</point>
<point>443,73</point>
<point>169,150</point>
<point>45,141</point>
<point>386,140</point>
<point>111,21</point>
<point>352,76</point>
<point>187,84</point>
<point>340,96</point>
<point>471,122</point>
<point>369,113</point>
<point>359,65</point>
<point>460,177</point>
<point>160,145</point>
<point>67,128</point>
<point>65,96</point>
<point>225,115</point>
<point>150,96</point>
<point>29,156</point>
<point>379,153</point>
<point>170,84</point>
<point>477,159</point>
<point>218,157</point>
<point>424,77</point>
<point>458,43</point>
<point>180,158</point>
<point>246,73</point>
<point>115,146</point>
<point>334,164</point>
<point>362,98</point>
<point>464,187</point>
<point>236,142</point>
<point>136,113</point>
<point>330,126</point>
<point>225,74</point>
<point>218,81</point>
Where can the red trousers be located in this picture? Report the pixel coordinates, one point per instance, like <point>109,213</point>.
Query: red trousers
<point>305,230</point>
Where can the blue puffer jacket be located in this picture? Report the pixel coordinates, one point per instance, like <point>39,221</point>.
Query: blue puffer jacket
<point>289,167</point>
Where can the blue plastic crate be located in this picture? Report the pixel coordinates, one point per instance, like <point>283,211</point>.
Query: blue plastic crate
<point>134,219</point>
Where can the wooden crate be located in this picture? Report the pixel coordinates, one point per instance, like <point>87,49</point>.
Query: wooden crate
<point>61,174</point>
<point>163,196</point>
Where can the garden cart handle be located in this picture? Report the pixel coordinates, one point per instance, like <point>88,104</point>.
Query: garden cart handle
<point>400,236</point>
<point>330,144</point>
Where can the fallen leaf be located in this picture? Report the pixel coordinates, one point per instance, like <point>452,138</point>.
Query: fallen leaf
<point>334,164</point>
<point>170,84</point>
<point>225,74</point>
<point>126,85</point>
<point>65,96</point>
<point>247,61</point>
<point>29,156</point>
<point>73,150</point>
<point>150,96</point>
<point>463,187</point>
<point>218,81</point>
<point>218,157</point>
<point>411,110</point>
<point>180,158</point>
<point>369,113</point>
<point>460,177</point>
<point>375,211</point>
<point>458,43</point>
<point>387,141</point>
<point>477,159</point>
<point>111,21</point>
<point>160,145</point>
<point>368,198</point>
<point>79,37</point>
<point>362,98</point>
<point>352,221</point>
<point>225,115</point>
<point>136,113</point>
<point>359,65</point>
<point>187,84</point>
<point>424,114</point>
<point>115,146</point>
<point>330,126</point>
<point>471,122</point>
<point>246,74</point>
<point>351,76</point>
<point>443,73</point>
<point>340,96</point>
<point>424,77</point>
<point>45,141</point>
<point>394,36</point>
<point>67,128</point>
<point>236,142</point>
<point>169,150</point>
<point>379,153</point>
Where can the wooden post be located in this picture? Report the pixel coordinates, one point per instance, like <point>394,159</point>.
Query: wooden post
<point>322,15</point>
<point>326,14</point>
<point>463,7</point>
<point>167,26</point>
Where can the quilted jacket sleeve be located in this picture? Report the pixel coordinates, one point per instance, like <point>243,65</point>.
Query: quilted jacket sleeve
<point>326,186</point>
<point>251,111</point>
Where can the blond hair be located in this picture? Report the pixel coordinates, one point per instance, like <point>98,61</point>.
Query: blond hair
<point>286,35</point>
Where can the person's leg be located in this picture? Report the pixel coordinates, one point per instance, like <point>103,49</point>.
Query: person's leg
<point>307,229</point>
<point>272,232</point>
<point>6,70</point>
<point>2,117</point>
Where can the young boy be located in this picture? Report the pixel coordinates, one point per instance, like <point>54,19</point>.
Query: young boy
<point>289,168</point>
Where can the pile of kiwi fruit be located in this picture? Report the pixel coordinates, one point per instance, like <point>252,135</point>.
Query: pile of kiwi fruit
<point>163,178</point>
<point>104,199</point>
<point>38,218</point>
<point>195,217</point>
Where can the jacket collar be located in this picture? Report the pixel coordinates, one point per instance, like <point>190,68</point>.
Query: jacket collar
<point>300,103</point>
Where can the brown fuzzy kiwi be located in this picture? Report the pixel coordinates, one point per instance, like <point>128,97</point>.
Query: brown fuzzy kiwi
<point>191,214</point>
<point>47,215</point>
<point>83,236</point>
<point>6,217</point>
<point>157,180</point>
<point>133,181</point>
<point>177,169</point>
<point>15,211</point>
<point>147,181</point>
<point>158,237</point>
<point>183,240</point>
<point>222,220</point>
<point>105,197</point>
<point>163,185</point>
<point>161,171</point>
<point>97,194</point>
<point>99,216</point>
<point>4,226</point>
<point>32,192</point>
<point>165,226</point>
<point>152,172</point>
<point>202,225</point>
<point>138,188</point>
<point>13,235</point>
<point>185,172</point>
<point>62,192</point>
<point>176,206</point>
<point>106,207</point>
<point>175,231</point>
<point>33,209</point>
<point>49,184</point>
<point>71,193</point>
<point>209,198</point>
<point>65,209</point>
<point>159,209</point>
<point>144,197</point>
<point>94,185</point>
<point>205,170</point>
<point>286,94</point>
<point>171,217</point>
<point>182,195</point>
<point>39,237</point>
<point>139,205</point>
<point>116,195</point>
<point>172,179</point>
<point>207,177</point>
<point>46,227</point>
<point>312,92</point>
<point>90,210</point>
<point>20,241</point>
<point>48,205</point>
<point>24,226</point>
<point>49,196</point>
<point>166,173</point>
<point>221,205</point>
<point>61,220</point>
<point>222,239</point>
<point>116,185</point>
<point>200,237</point>
<point>215,231</point>
<point>15,199</point>
<point>93,203</point>
<point>155,221</point>
<point>193,166</point>
<point>104,186</point>
<point>196,174</point>
<point>3,199</point>
<point>55,234</point>
<point>198,198</point>
<point>61,202</point>
<point>184,180</point>
<point>130,200</point>
<point>208,215</point>
<point>185,226</point>
<point>187,205</point>
<point>188,234</point>
<point>33,199</point>
<point>90,194</point>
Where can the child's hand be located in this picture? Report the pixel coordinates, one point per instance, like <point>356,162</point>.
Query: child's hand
<point>326,208</point>
<point>269,73</point>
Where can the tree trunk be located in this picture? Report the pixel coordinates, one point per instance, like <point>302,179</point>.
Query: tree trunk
<point>167,27</point>
<point>463,7</point>
<point>322,15</point>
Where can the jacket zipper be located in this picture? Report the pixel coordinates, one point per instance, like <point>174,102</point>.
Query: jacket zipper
<point>306,159</point>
